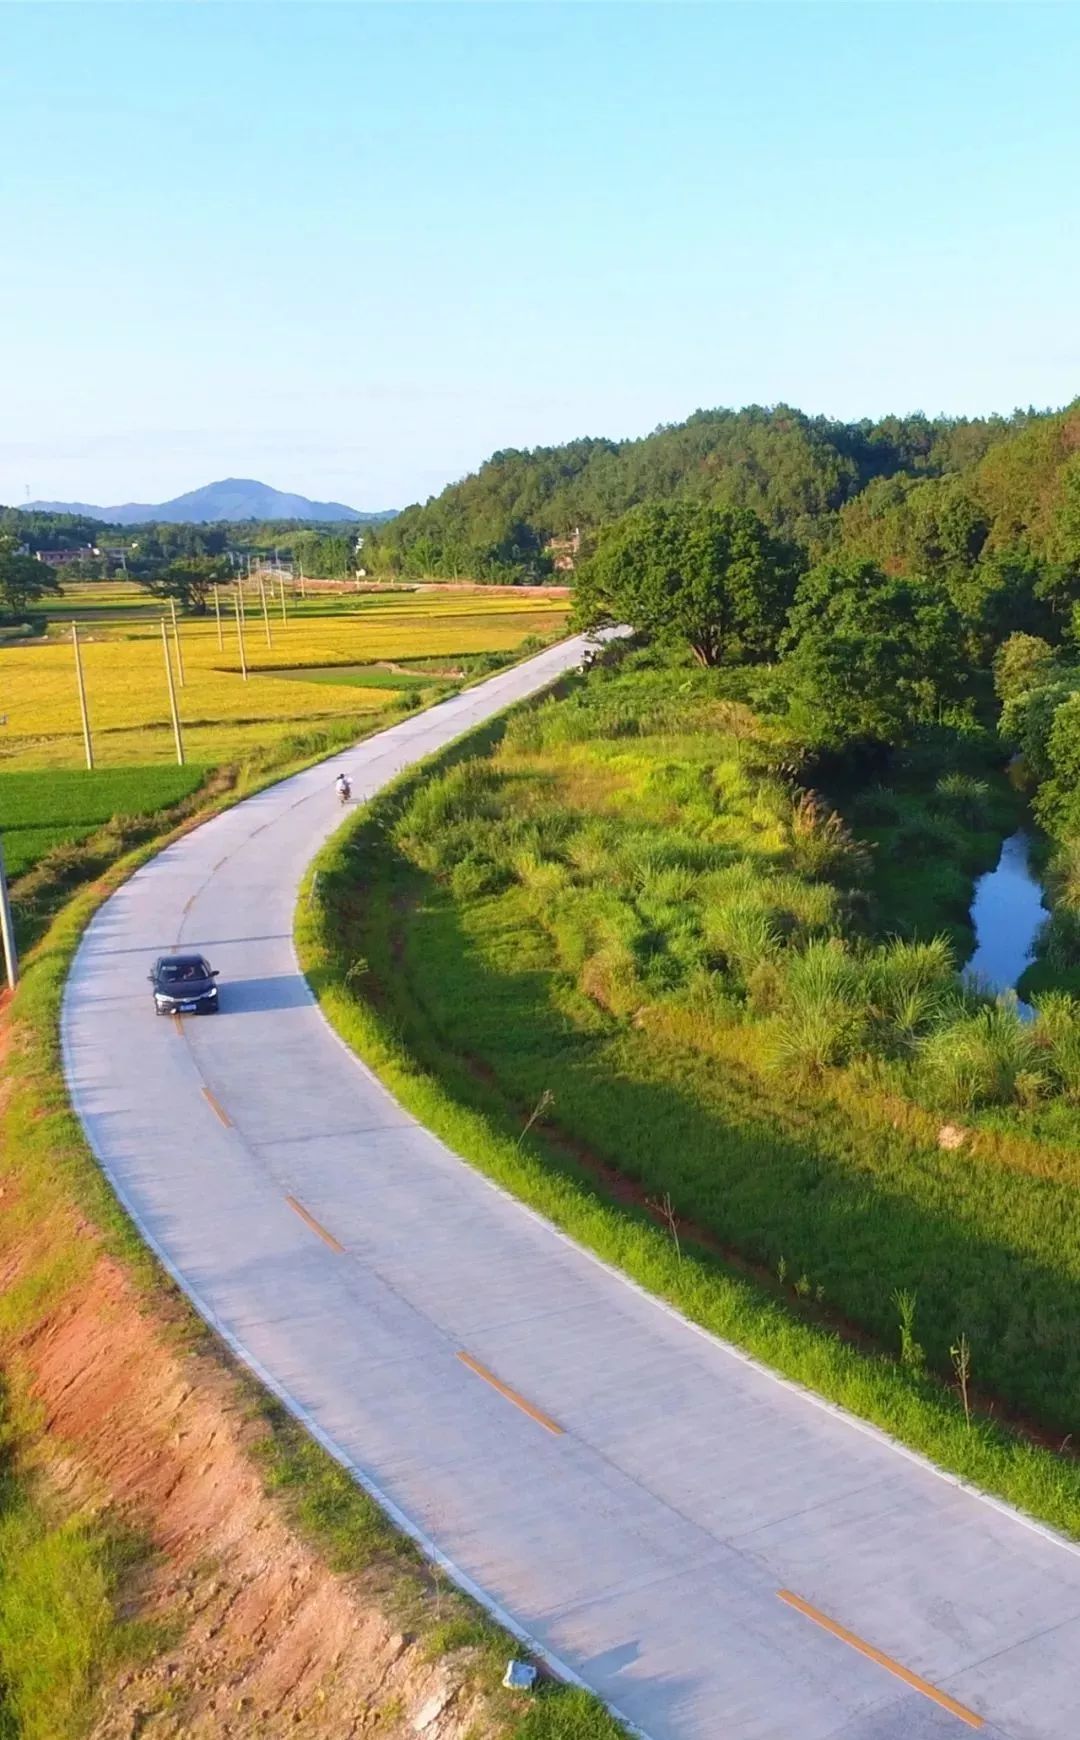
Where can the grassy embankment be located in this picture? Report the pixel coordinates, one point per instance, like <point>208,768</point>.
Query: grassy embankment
<point>68,1567</point>
<point>620,904</point>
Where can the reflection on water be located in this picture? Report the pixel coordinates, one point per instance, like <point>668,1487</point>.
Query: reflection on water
<point>1007,911</point>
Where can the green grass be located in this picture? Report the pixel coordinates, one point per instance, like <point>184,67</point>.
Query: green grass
<point>487,979</point>
<point>58,1630</point>
<point>39,811</point>
<point>361,676</point>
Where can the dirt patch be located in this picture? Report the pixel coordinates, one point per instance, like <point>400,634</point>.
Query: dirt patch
<point>261,1638</point>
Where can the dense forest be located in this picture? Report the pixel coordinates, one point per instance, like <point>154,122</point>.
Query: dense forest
<point>904,489</point>
<point>41,529</point>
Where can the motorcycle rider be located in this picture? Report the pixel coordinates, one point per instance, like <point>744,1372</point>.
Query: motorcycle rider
<point>344,789</point>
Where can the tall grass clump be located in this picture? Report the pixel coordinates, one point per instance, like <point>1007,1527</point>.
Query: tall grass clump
<point>910,988</point>
<point>963,797</point>
<point>823,1018</point>
<point>983,1057</point>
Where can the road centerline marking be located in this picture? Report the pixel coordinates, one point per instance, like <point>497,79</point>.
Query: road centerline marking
<point>316,1227</point>
<point>216,1106</point>
<point>512,1395</point>
<point>960,1711</point>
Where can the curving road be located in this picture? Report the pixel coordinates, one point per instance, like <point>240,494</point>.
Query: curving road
<point>719,1555</point>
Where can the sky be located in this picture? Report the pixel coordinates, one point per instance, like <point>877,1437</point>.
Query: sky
<point>352,250</point>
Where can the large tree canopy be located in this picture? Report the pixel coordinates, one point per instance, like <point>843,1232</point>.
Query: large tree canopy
<point>713,578</point>
<point>189,580</point>
<point>871,657</point>
<point>23,579</point>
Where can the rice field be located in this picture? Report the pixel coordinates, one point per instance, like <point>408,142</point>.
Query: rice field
<point>223,715</point>
<point>39,812</point>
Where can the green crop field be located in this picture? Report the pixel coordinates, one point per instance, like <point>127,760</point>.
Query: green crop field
<point>41,810</point>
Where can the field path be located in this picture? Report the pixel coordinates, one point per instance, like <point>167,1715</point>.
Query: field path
<point>666,1521</point>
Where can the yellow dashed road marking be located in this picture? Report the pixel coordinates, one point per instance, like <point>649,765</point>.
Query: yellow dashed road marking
<point>519,1401</point>
<point>309,1220</point>
<point>960,1711</point>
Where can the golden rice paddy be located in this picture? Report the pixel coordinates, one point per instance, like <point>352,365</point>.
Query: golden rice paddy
<point>223,715</point>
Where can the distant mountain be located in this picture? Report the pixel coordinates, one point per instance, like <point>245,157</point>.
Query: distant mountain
<point>234,498</point>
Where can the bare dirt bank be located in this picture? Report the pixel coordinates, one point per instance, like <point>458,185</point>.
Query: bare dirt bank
<point>260,1638</point>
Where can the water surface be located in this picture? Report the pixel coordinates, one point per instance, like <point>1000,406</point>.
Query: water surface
<point>1007,911</point>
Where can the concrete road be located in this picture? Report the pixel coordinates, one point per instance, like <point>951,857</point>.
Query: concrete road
<point>718,1554</point>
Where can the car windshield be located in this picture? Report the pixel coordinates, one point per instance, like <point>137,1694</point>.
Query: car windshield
<point>180,972</point>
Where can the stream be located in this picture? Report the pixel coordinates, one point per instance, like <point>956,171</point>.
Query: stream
<point>1007,911</point>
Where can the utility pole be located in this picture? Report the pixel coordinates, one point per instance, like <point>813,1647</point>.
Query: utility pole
<point>176,638</point>
<point>265,612</point>
<point>217,615</point>
<point>87,742</point>
<point>178,740</point>
<point>7,929</point>
<point>240,629</point>
<point>281,589</point>
<point>303,594</point>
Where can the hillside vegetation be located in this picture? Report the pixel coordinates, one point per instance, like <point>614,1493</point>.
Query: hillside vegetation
<point>802,475</point>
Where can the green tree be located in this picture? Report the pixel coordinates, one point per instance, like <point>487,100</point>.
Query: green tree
<point>712,578</point>
<point>1057,803</point>
<point>23,579</point>
<point>870,657</point>
<point>1028,718</point>
<point>1022,662</point>
<point>328,558</point>
<point>189,580</point>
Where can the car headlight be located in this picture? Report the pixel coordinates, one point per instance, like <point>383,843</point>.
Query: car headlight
<point>212,992</point>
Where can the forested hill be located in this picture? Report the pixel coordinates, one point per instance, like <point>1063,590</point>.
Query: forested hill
<point>797,472</point>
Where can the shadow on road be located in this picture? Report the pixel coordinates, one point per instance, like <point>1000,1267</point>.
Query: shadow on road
<point>257,996</point>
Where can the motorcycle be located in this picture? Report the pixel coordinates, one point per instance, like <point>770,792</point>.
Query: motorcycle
<point>344,790</point>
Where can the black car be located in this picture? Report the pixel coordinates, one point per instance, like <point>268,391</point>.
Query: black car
<point>184,985</point>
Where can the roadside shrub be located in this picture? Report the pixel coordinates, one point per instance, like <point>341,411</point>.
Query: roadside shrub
<point>1055,1032</point>
<point>608,978</point>
<point>976,1059</point>
<point>429,831</point>
<point>524,734</point>
<point>911,987</point>
<point>1058,941</point>
<point>823,1013</point>
<point>668,886</point>
<point>589,851</point>
<point>923,838</point>
<point>476,875</point>
<point>822,845</point>
<point>812,1037</point>
<point>741,934</point>
<point>962,797</point>
<point>878,804</point>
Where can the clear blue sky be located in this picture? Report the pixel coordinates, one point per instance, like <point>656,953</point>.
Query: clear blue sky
<point>351,250</point>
